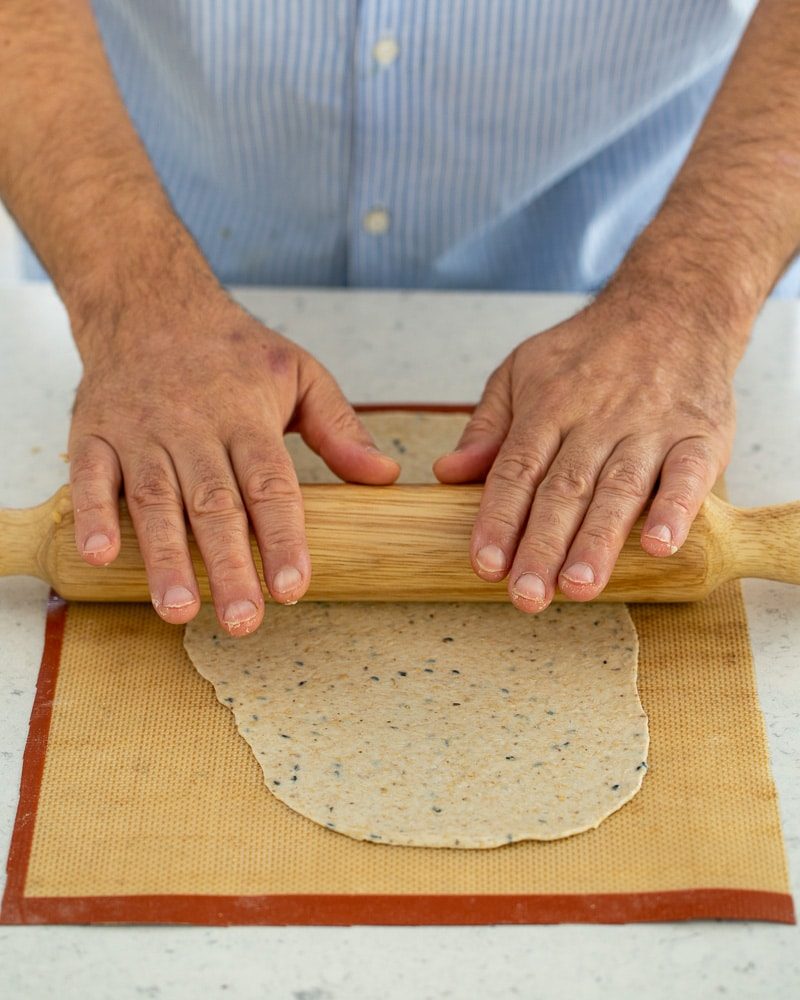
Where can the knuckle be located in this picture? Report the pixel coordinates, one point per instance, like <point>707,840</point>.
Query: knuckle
<point>682,500</point>
<point>214,498</point>
<point>166,556</point>
<point>87,468</point>
<point>268,486</point>
<point>152,489</point>
<point>548,519</point>
<point>160,532</point>
<point>542,548</point>
<point>496,520</point>
<point>228,562</point>
<point>281,540</point>
<point>551,547</point>
<point>93,495</point>
<point>687,477</point>
<point>520,469</point>
<point>601,536</point>
<point>609,511</point>
<point>701,445</point>
<point>89,501</point>
<point>566,484</point>
<point>693,463</point>
<point>342,420</point>
<point>626,479</point>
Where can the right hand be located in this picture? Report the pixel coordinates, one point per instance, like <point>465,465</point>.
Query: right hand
<point>187,413</point>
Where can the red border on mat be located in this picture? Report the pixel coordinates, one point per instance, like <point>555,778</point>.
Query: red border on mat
<point>33,763</point>
<point>328,910</point>
<point>335,910</point>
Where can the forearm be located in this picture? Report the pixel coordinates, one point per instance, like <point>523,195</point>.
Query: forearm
<point>73,171</point>
<point>731,222</point>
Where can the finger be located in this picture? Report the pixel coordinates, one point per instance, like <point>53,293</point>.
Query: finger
<point>329,425</point>
<point>483,436</point>
<point>558,508</point>
<point>219,523</point>
<point>622,490</point>
<point>520,466</point>
<point>95,477</point>
<point>156,509</point>
<point>687,475</point>
<point>271,494</point>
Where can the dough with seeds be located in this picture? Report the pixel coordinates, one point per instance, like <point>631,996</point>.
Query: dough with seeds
<point>437,725</point>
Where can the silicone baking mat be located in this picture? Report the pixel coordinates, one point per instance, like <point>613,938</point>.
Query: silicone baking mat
<point>141,804</point>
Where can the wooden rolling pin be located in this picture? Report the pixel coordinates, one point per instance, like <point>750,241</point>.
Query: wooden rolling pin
<point>411,543</point>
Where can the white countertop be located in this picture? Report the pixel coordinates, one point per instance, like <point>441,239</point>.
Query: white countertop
<point>410,347</point>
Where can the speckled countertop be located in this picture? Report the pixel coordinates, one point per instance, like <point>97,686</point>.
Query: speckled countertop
<point>423,347</point>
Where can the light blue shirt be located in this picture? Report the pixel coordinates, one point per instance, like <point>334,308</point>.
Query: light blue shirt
<point>508,144</point>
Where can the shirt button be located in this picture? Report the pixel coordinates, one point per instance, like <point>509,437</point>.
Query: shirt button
<point>385,51</point>
<point>376,221</point>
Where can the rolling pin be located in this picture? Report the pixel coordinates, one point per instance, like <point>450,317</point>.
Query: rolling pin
<point>411,543</point>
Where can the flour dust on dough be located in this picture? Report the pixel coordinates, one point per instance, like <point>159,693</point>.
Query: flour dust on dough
<point>437,725</point>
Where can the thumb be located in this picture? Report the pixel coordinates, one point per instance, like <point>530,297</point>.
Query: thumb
<point>488,427</point>
<point>329,425</point>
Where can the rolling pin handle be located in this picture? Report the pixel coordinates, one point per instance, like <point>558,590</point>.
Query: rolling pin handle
<point>763,542</point>
<point>26,536</point>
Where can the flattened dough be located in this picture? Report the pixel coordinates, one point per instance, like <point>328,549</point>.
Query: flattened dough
<point>415,440</point>
<point>437,725</point>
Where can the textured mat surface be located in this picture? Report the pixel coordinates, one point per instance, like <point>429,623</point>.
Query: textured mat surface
<point>140,802</point>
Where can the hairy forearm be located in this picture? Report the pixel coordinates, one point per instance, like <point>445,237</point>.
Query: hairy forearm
<point>731,221</point>
<point>73,171</point>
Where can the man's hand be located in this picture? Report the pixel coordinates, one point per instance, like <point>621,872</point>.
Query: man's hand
<point>185,397</point>
<point>574,429</point>
<point>189,413</point>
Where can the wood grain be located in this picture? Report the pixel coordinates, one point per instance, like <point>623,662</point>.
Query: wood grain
<point>411,543</point>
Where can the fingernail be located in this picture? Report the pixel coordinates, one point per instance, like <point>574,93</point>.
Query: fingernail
<point>661,533</point>
<point>240,612</point>
<point>579,572</point>
<point>286,579</point>
<point>177,597</point>
<point>491,559</point>
<point>96,543</point>
<point>529,587</point>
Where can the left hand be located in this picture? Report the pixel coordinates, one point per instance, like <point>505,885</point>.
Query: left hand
<point>574,430</point>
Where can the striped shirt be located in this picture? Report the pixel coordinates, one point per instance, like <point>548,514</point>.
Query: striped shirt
<point>493,144</point>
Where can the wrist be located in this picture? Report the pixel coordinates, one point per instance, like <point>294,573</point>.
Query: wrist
<point>682,288</point>
<point>150,280</point>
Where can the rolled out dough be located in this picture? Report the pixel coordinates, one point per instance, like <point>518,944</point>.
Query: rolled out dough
<point>415,440</point>
<point>437,725</point>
